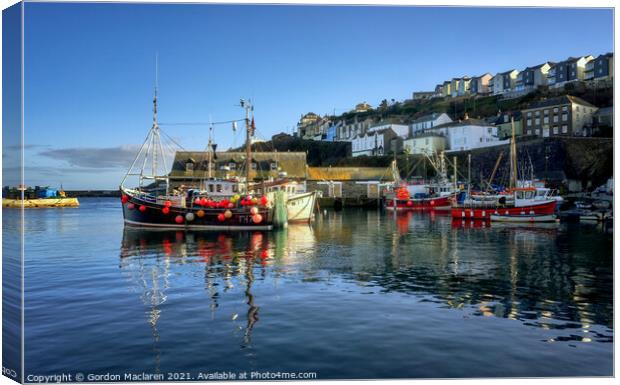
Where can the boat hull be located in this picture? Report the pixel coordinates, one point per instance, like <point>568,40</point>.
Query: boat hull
<point>300,207</point>
<point>153,217</point>
<point>546,208</point>
<point>523,218</point>
<point>437,203</point>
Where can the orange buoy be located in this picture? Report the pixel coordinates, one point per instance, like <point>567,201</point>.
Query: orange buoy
<point>257,218</point>
<point>227,214</point>
<point>200,213</point>
<point>254,211</point>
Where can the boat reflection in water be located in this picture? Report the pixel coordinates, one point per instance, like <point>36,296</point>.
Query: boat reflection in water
<point>286,294</point>
<point>149,259</point>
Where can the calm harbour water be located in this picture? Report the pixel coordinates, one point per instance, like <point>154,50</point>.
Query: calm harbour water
<point>359,294</point>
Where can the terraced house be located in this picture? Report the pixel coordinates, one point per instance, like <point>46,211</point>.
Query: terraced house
<point>565,115</point>
<point>503,82</point>
<point>479,85</point>
<point>601,68</point>
<point>532,77</point>
<point>570,70</point>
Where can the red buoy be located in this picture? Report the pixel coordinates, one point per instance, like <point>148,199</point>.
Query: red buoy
<point>179,219</point>
<point>165,210</point>
<point>257,218</point>
<point>131,206</point>
<point>264,200</point>
<point>124,198</point>
<point>409,203</point>
<point>167,204</point>
<point>142,208</point>
<point>221,217</point>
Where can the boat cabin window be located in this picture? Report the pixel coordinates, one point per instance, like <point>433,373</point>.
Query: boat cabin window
<point>525,194</point>
<point>541,193</point>
<point>219,187</point>
<point>234,188</point>
<point>211,188</point>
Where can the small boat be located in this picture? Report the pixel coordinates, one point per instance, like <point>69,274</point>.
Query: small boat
<point>582,205</point>
<point>437,195</point>
<point>523,218</point>
<point>300,204</point>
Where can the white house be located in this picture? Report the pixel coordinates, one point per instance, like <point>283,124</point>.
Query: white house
<point>469,134</point>
<point>429,143</point>
<point>401,130</point>
<point>429,121</point>
<point>377,142</point>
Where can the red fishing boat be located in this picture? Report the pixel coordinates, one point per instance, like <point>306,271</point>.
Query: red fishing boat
<point>401,200</point>
<point>526,204</point>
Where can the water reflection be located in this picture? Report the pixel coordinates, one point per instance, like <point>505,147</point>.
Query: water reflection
<point>542,276</point>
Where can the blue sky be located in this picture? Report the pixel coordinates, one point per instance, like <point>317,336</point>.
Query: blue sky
<point>89,68</point>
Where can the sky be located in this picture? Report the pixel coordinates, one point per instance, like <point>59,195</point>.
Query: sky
<point>90,69</point>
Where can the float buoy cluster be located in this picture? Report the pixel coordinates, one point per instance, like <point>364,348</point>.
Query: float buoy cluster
<point>402,193</point>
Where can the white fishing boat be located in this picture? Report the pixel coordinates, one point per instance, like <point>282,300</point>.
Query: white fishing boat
<point>528,218</point>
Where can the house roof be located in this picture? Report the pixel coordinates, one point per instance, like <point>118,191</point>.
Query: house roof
<point>294,163</point>
<point>350,173</point>
<point>428,118</point>
<point>466,122</point>
<point>507,72</point>
<point>560,100</point>
<point>538,66</point>
<point>605,111</point>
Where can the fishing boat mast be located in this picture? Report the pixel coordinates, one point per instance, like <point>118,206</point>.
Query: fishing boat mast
<point>249,127</point>
<point>513,156</point>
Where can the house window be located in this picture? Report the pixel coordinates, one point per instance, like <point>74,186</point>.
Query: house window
<point>537,121</point>
<point>273,166</point>
<point>555,119</point>
<point>232,165</point>
<point>546,112</point>
<point>529,114</point>
<point>254,166</point>
<point>529,132</point>
<point>529,122</point>
<point>555,130</point>
<point>576,108</point>
<point>546,120</point>
<point>555,110</point>
<point>537,131</point>
<point>564,117</point>
<point>189,167</point>
<point>572,73</point>
<point>564,108</point>
<point>537,113</point>
<point>564,129</point>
